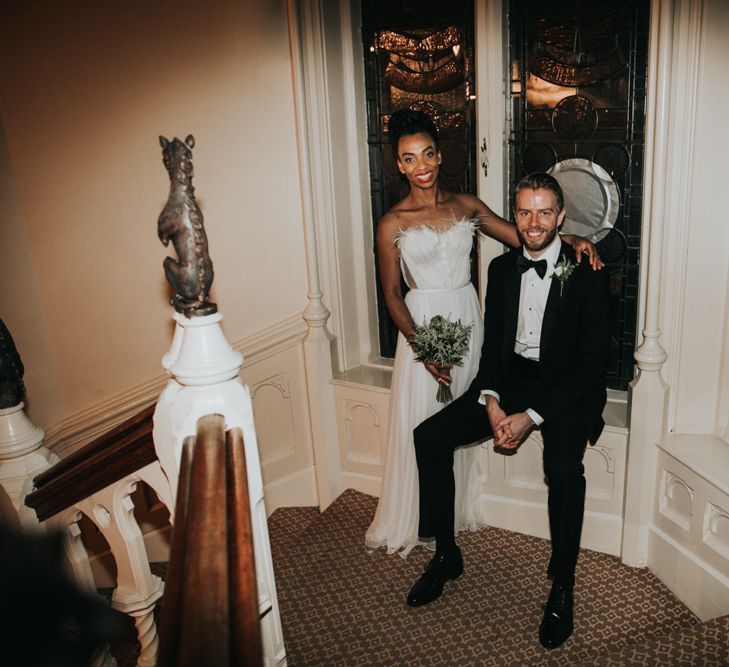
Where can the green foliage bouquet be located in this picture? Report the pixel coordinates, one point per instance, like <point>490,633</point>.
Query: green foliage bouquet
<point>443,343</point>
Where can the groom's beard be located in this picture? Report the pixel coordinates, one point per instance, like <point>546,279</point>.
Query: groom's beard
<point>530,245</point>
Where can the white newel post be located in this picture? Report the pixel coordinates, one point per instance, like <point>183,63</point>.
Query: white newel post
<point>204,369</point>
<point>204,380</point>
<point>22,457</point>
<point>648,391</point>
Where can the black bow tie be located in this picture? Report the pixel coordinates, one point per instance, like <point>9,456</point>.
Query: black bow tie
<point>524,264</point>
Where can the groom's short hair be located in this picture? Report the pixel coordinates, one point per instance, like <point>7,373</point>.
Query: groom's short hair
<point>538,181</point>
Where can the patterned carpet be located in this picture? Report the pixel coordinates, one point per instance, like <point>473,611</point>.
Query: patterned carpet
<point>341,605</point>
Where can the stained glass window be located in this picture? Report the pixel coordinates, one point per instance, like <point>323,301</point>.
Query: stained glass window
<point>418,55</point>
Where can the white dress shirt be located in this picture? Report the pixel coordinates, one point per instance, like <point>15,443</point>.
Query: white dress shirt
<point>532,302</point>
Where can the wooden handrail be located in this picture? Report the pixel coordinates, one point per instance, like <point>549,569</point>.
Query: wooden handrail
<point>123,450</point>
<point>246,639</point>
<point>210,609</point>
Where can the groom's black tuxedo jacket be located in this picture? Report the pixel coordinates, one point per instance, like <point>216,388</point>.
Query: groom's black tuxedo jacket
<point>574,344</point>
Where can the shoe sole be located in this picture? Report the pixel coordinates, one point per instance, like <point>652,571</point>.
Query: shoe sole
<point>561,639</point>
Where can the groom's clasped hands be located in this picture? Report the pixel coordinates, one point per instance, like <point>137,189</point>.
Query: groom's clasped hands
<point>510,431</point>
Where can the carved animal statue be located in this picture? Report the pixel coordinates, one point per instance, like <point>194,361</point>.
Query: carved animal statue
<point>12,389</point>
<point>182,223</point>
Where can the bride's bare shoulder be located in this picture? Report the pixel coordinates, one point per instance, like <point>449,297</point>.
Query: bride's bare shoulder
<point>391,223</point>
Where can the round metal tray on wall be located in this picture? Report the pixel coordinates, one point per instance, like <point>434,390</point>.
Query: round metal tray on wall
<point>591,198</point>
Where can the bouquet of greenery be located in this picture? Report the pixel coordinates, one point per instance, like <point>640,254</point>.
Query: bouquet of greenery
<point>443,343</point>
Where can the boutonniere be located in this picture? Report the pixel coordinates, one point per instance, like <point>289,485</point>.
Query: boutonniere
<point>563,270</point>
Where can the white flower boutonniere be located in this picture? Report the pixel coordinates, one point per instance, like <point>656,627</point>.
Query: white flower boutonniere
<point>563,270</point>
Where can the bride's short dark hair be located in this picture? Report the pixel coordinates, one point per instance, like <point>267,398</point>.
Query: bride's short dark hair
<point>405,122</point>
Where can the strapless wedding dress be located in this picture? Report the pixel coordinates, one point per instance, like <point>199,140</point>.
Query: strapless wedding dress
<point>436,266</point>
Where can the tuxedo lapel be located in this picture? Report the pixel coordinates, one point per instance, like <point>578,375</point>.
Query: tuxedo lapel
<point>512,290</point>
<point>555,303</point>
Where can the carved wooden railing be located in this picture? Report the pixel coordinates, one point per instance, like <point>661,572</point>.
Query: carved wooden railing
<point>97,481</point>
<point>122,451</point>
<point>210,613</point>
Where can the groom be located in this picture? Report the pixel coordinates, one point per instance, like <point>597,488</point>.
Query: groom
<point>544,354</point>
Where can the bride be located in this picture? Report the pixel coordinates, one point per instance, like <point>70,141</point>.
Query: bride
<point>426,238</point>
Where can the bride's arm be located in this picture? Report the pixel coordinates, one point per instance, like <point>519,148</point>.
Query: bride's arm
<point>390,275</point>
<point>491,224</point>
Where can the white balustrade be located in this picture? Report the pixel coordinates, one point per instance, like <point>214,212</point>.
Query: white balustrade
<point>137,590</point>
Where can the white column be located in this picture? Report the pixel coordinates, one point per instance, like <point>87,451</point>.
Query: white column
<point>318,345</point>
<point>491,91</point>
<point>648,392</point>
<point>22,457</point>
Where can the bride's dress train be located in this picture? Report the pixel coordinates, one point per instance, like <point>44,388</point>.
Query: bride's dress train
<point>436,267</point>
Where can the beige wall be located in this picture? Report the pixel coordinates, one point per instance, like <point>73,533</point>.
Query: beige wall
<point>85,90</point>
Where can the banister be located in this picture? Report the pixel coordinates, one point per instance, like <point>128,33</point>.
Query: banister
<point>246,640</point>
<point>121,451</point>
<point>210,612</point>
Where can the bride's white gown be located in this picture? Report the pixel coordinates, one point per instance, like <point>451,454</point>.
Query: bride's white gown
<point>436,267</point>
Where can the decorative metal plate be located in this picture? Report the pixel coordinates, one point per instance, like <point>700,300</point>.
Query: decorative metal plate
<point>538,157</point>
<point>613,247</point>
<point>614,158</point>
<point>591,198</point>
<point>574,118</point>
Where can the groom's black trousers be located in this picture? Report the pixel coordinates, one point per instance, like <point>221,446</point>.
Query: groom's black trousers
<point>464,422</point>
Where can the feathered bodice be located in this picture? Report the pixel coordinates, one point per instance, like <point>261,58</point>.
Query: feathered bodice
<point>436,258</point>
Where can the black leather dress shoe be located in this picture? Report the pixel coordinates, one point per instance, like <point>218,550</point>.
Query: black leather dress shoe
<point>430,585</point>
<point>557,623</point>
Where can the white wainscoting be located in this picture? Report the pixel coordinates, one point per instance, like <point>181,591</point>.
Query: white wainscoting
<point>362,398</point>
<point>514,493</point>
<point>689,538</point>
<point>281,409</point>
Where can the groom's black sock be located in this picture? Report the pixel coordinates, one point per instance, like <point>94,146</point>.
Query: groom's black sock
<point>445,546</point>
